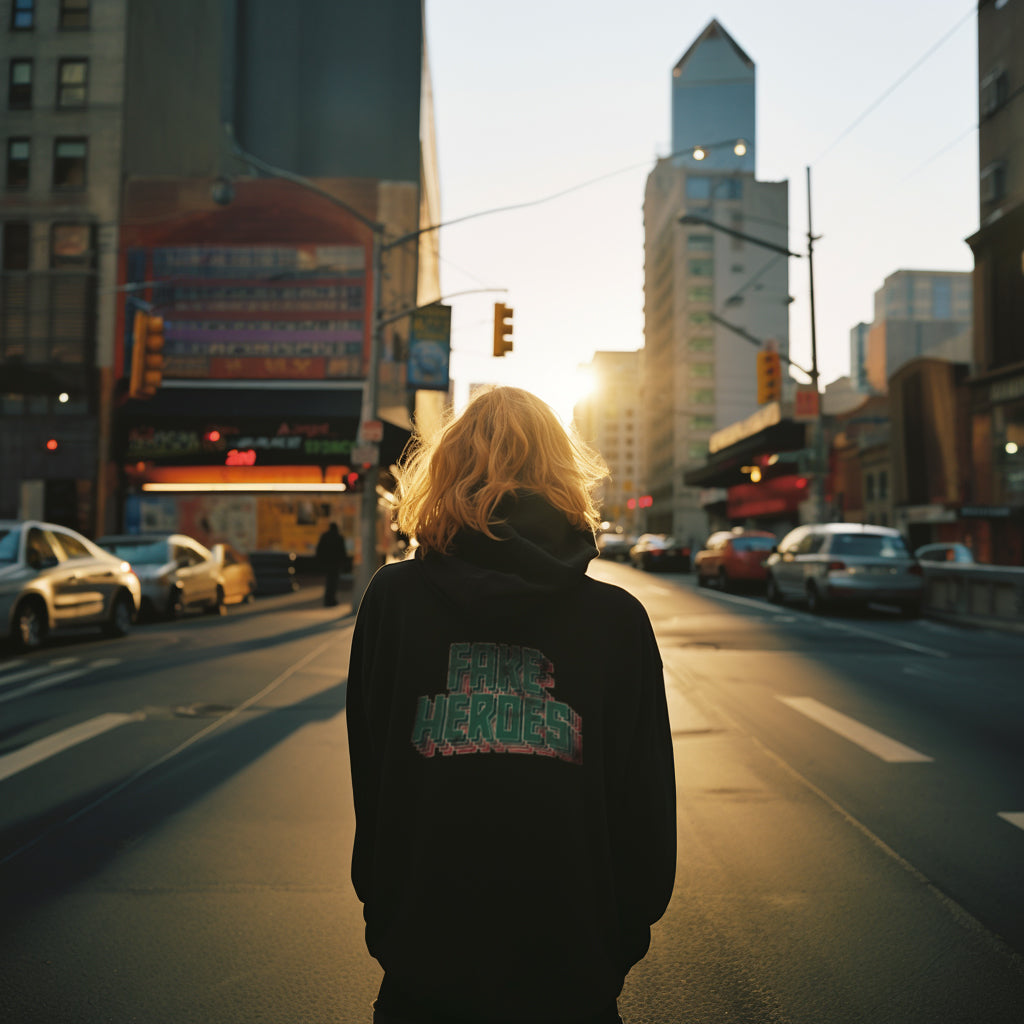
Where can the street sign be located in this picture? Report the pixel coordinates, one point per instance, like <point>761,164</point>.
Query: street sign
<point>805,403</point>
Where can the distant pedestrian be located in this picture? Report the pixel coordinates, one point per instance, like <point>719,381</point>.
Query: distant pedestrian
<point>332,557</point>
<point>510,747</point>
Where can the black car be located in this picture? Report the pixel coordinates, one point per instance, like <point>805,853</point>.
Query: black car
<point>655,552</point>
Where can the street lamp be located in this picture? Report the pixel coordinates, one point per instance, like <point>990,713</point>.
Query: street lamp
<point>739,147</point>
<point>813,373</point>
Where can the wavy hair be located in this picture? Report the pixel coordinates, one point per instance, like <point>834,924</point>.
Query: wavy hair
<point>505,440</point>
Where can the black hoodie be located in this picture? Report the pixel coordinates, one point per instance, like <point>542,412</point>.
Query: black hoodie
<point>512,774</point>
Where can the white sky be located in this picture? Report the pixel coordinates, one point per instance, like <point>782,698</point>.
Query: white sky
<point>538,96</point>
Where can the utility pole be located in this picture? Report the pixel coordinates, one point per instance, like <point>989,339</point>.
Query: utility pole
<point>820,469</point>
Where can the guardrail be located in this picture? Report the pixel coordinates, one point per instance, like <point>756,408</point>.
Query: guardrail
<point>976,595</point>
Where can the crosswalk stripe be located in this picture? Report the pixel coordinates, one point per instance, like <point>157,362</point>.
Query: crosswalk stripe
<point>43,684</point>
<point>33,753</point>
<point>864,736</point>
<point>35,670</point>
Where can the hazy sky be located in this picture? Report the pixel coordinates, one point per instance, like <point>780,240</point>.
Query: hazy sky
<point>534,98</point>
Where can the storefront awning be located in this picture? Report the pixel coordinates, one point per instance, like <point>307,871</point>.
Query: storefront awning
<point>724,468</point>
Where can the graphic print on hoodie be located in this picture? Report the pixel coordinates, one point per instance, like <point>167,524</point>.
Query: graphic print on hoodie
<point>499,699</point>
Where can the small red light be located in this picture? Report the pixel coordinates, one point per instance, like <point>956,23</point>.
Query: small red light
<point>213,435</point>
<point>51,445</point>
<point>836,567</point>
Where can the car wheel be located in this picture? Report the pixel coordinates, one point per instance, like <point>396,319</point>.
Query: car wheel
<point>723,581</point>
<point>217,608</point>
<point>30,624</point>
<point>250,595</point>
<point>121,615</point>
<point>175,604</point>
<point>815,603</point>
<point>772,591</point>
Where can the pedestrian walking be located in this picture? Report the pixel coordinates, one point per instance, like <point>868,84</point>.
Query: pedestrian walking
<point>508,733</point>
<point>332,557</point>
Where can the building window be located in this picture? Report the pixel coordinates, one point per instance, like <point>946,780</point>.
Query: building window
<point>703,396</point>
<point>16,245</point>
<point>869,487</point>
<point>993,182</point>
<point>700,293</point>
<point>700,319</point>
<point>698,187</point>
<point>71,245</point>
<point>993,92</point>
<point>19,88</point>
<point>729,188</point>
<point>698,451</point>
<point>74,14</point>
<point>23,15</point>
<point>883,485</point>
<point>942,299</point>
<point>702,422</point>
<point>69,160</point>
<point>700,243</point>
<point>18,152</point>
<point>701,344</point>
<point>72,83</point>
<point>701,268</point>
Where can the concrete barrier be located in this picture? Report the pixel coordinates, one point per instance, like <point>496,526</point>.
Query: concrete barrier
<point>977,595</point>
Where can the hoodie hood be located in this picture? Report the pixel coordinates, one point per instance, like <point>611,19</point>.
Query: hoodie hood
<point>537,552</point>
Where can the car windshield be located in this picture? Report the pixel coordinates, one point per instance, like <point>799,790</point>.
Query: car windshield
<point>9,545</point>
<point>753,543</point>
<point>139,552</point>
<point>870,545</point>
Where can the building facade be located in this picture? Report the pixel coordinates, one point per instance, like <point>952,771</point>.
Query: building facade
<point>997,386</point>
<point>265,286</point>
<point>611,419</point>
<point>711,298</point>
<point>918,313</point>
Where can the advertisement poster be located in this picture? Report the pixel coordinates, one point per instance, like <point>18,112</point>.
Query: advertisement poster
<point>430,348</point>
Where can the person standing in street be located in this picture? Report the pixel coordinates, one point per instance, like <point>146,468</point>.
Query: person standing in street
<point>509,741</point>
<point>332,557</point>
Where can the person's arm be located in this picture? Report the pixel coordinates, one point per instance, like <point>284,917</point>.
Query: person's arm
<point>644,825</point>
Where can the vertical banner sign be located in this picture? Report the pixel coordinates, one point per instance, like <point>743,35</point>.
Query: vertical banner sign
<point>430,348</point>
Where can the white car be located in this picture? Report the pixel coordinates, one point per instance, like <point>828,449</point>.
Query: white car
<point>177,573</point>
<point>52,578</point>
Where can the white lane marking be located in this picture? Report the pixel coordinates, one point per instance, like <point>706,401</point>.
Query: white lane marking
<point>864,736</point>
<point>1013,817</point>
<point>845,627</point>
<point>43,684</point>
<point>33,753</point>
<point>28,673</point>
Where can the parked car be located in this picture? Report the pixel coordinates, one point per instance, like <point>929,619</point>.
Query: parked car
<point>658,552</point>
<point>615,545</point>
<point>851,563</point>
<point>949,551</point>
<point>734,557</point>
<point>236,575</point>
<point>177,573</point>
<point>52,578</point>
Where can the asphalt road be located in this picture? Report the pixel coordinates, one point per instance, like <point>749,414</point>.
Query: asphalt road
<point>175,821</point>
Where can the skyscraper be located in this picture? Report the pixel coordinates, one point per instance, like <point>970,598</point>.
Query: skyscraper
<point>708,292</point>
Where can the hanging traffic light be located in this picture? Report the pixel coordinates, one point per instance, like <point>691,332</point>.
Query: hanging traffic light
<point>769,377</point>
<point>502,329</point>
<point>147,355</point>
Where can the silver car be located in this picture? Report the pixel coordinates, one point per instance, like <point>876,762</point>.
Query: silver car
<point>52,578</point>
<point>845,563</point>
<point>177,573</point>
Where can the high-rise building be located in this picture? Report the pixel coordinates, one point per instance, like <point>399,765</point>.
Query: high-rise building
<point>918,313</point>
<point>125,190</point>
<point>610,418</point>
<point>711,297</point>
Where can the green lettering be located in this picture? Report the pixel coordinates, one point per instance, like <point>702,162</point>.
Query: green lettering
<point>532,671</point>
<point>510,669</point>
<point>508,727</point>
<point>556,722</point>
<point>480,730</point>
<point>533,721</point>
<point>455,720</point>
<point>458,667</point>
<point>428,729</point>
<point>482,668</point>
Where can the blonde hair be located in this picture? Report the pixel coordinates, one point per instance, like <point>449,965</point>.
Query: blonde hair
<point>505,440</point>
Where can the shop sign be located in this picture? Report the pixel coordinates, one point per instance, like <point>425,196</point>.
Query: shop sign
<point>430,348</point>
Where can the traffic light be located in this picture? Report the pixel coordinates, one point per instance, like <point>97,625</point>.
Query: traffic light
<point>353,482</point>
<point>147,355</point>
<point>502,329</point>
<point>769,377</point>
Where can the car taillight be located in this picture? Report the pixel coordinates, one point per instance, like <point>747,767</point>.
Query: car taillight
<point>916,570</point>
<point>836,567</point>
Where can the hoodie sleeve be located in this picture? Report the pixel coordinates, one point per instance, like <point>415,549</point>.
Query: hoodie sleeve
<point>644,821</point>
<point>363,758</point>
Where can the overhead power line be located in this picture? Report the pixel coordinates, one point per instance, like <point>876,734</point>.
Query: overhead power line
<point>895,85</point>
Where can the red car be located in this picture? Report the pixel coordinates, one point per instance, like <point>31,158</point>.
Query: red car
<point>731,558</point>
